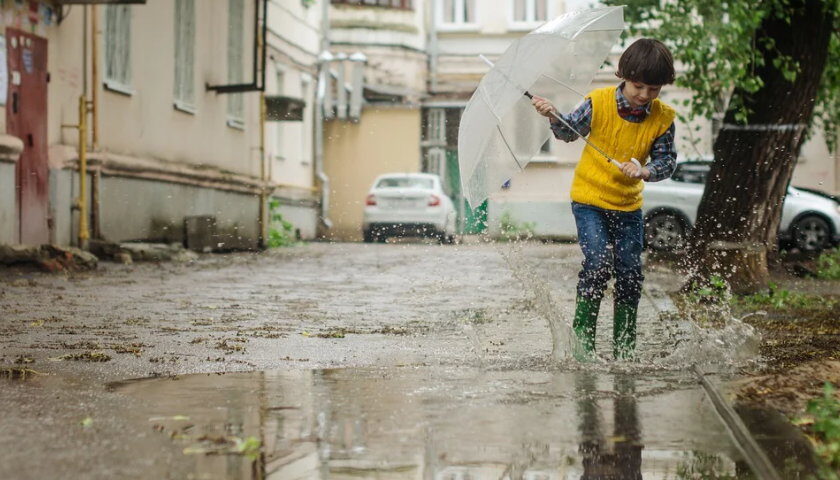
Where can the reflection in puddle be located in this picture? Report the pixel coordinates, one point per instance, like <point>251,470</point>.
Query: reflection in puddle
<point>440,424</point>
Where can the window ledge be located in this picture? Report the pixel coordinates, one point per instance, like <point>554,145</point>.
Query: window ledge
<point>118,88</point>
<point>458,27</point>
<point>236,123</point>
<point>523,26</point>
<point>184,107</point>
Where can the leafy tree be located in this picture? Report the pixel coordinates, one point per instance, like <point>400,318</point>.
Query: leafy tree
<point>772,68</point>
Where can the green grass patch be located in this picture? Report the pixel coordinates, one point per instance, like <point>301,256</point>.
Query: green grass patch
<point>828,265</point>
<point>825,431</point>
<point>779,298</point>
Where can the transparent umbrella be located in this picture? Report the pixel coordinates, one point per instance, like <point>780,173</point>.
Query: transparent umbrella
<point>500,131</point>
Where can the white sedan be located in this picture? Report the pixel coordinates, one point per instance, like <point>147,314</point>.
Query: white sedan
<point>810,222</point>
<point>408,204</point>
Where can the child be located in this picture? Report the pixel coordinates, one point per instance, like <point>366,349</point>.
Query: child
<point>626,122</point>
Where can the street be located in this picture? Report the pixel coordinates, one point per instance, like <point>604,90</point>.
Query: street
<point>403,360</point>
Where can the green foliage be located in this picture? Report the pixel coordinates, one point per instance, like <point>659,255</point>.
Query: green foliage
<point>249,447</point>
<point>828,265</point>
<point>717,43</point>
<point>280,232</point>
<point>826,426</point>
<point>512,230</point>
<point>716,291</point>
<point>778,298</point>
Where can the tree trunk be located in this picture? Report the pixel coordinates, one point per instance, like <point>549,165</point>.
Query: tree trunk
<point>738,217</point>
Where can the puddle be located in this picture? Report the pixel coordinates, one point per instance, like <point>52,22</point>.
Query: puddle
<point>436,423</point>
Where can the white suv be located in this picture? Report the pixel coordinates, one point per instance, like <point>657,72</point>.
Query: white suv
<point>810,222</point>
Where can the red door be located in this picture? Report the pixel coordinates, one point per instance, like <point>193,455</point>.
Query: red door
<point>26,118</point>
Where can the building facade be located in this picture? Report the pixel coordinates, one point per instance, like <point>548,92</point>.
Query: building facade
<point>391,36</point>
<point>168,141</point>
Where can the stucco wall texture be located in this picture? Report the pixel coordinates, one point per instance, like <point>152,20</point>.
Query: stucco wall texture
<point>385,140</point>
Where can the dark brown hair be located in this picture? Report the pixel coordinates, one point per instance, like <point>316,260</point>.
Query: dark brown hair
<point>648,61</point>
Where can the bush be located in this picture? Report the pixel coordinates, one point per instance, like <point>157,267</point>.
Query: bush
<point>828,265</point>
<point>511,230</point>
<point>284,235</point>
<point>826,428</point>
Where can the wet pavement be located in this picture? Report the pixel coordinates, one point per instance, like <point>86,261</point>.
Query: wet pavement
<point>355,361</point>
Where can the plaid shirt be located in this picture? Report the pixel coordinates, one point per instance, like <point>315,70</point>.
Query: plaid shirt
<point>663,154</point>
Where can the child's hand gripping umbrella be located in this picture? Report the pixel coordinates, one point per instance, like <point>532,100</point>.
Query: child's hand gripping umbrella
<point>499,133</point>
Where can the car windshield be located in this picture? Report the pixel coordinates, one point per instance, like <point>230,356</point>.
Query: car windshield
<point>406,182</point>
<point>691,173</point>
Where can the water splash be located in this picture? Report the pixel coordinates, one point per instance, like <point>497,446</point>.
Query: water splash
<point>563,341</point>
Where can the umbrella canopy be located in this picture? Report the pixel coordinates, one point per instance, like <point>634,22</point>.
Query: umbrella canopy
<point>500,131</point>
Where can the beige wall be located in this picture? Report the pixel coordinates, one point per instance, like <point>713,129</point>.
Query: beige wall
<point>393,39</point>
<point>294,39</point>
<point>385,140</point>
<point>145,123</point>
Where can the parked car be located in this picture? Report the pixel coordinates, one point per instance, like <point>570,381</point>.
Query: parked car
<point>408,204</point>
<point>810,222</point>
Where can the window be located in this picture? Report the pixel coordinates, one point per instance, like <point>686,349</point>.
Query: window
<point>236,17</point>
<point>457,12</point>
<point>530,11</point>
<point>406,182</point>
<point>404,4</point>
<point>117,38</point>
<point>691,172</point>
<point>305,139</point>
<point>436,126</point>
<point>184,54</point>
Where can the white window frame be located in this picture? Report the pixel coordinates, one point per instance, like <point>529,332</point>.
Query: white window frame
<point>305,140</point>
<point>117,42</point>
<point>436,127</point>
<point>436,162</point>
<point>530,21</point>
<point>235,60</point>
<point>460,22</point>
<point>184,71</point>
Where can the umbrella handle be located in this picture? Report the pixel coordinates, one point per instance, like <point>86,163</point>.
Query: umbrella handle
<point>635,162</point>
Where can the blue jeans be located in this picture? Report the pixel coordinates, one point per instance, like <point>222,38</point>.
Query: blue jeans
<point>611,241</point>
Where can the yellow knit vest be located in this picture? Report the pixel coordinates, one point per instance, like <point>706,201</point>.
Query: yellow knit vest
<point>598,182</point>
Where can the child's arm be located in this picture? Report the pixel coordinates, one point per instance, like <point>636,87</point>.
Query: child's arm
<point>580,119</point>
<point>663,157</point>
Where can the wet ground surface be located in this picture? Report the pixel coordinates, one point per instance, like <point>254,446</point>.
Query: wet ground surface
<point>356,361</point>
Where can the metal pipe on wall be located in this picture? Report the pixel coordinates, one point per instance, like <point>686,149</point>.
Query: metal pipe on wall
<point>323,78</point>
<point>263,210</point>
<point>94,76</point>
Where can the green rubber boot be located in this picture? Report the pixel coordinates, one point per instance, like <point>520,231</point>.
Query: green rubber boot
<point>586,319</point>
<point>624,331</point>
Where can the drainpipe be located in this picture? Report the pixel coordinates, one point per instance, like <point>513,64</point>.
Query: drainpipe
<point>94,76</point>
<point>84,234</point>
<point>81,203</point>
<point>263,223</point>
<point>323,78</point>
<point>96,182</point>
<point>433,46</point>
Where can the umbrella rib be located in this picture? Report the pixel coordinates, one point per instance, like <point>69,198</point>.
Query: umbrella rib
<point>509,149</point>
<point>563,84</point>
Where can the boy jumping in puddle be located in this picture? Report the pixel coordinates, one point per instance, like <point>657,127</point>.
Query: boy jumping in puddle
<point>627,122</point>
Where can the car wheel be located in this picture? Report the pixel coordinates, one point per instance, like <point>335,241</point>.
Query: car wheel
<point>811,234</point>
<point>368,236</point>
<point>665,232</point>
